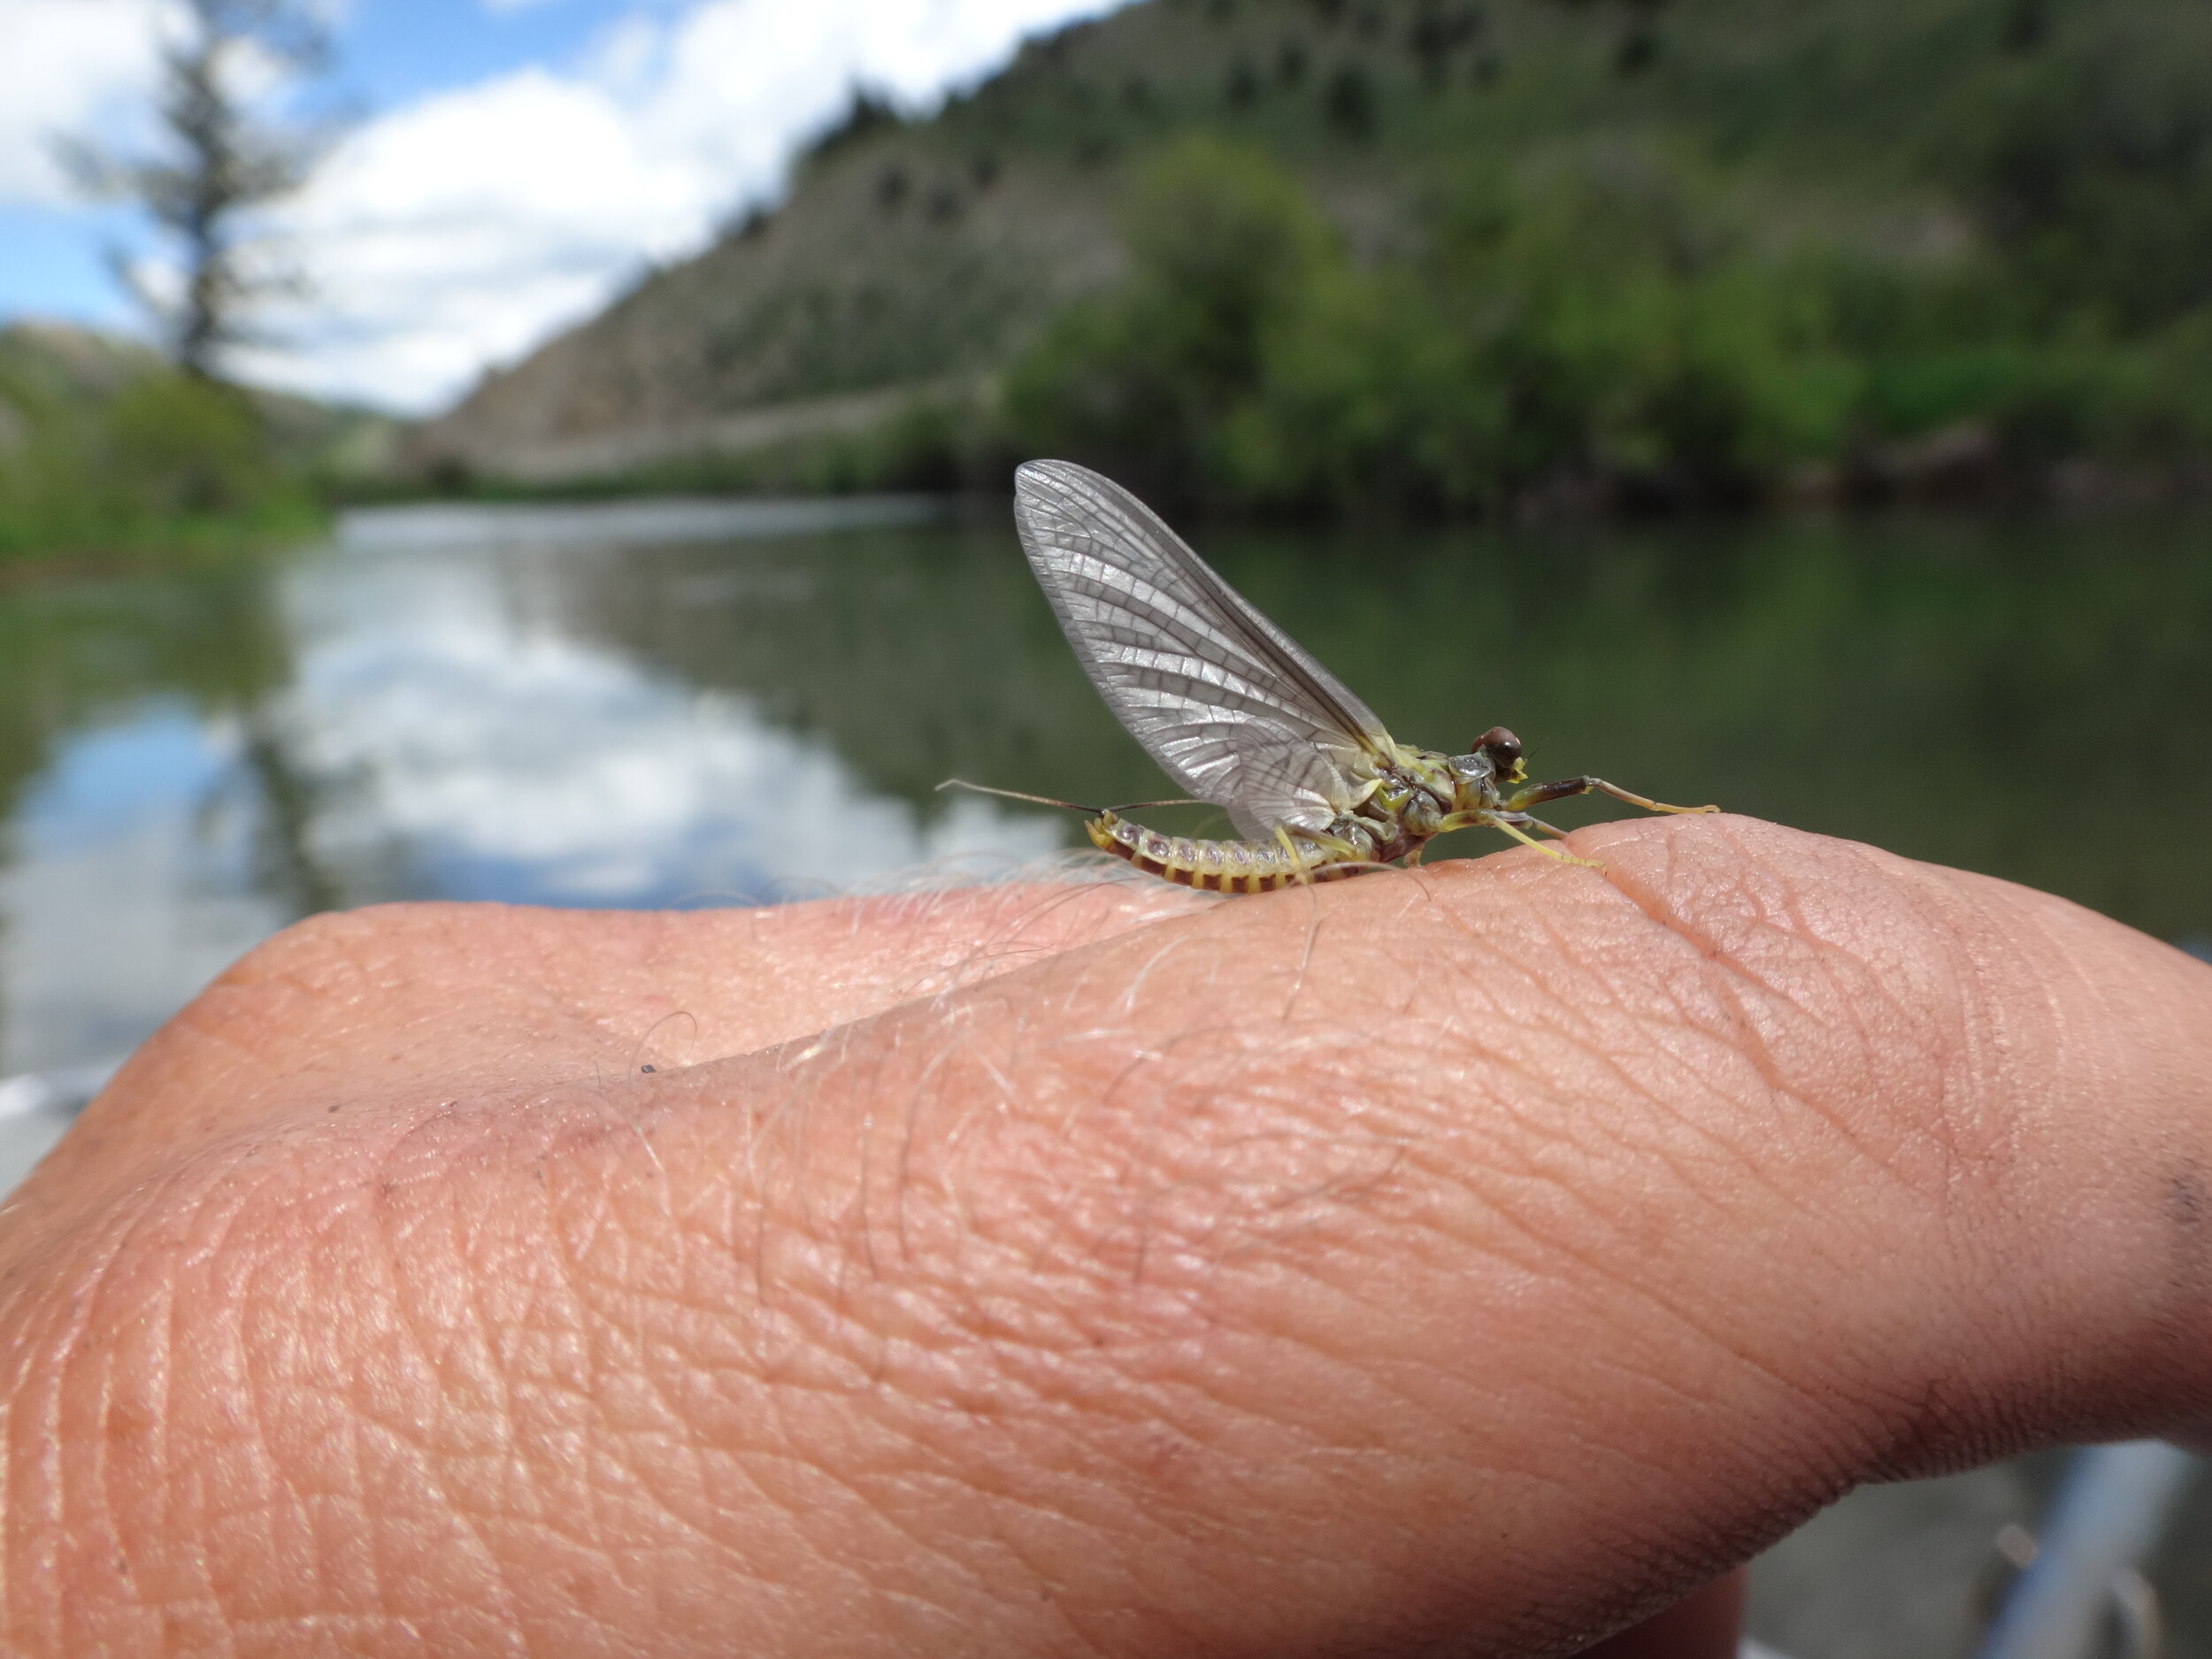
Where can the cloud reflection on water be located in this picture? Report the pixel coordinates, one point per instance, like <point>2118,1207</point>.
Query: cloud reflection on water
<point>128,889</point>
<point>443,736</point>
<point>512,763</point>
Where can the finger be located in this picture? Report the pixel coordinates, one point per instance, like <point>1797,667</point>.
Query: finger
<point>1482,1256</point>
<point>2032,1076</point>
<point>349,1007</point>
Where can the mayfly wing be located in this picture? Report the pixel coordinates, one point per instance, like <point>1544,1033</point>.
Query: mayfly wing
<point>1223,699</point>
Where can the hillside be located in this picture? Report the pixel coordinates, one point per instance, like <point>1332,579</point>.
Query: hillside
<point>920,259</point>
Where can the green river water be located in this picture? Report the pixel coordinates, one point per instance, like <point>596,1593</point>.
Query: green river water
<point>639,707</point>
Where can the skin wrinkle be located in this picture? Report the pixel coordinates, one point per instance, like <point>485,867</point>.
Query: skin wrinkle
<point>506,1376</point>
<point>1569,1188</point>
<point>81,1310</point>
<point>350,1567</point>
<point>1949,1120</point>
<point>2059,1049</point>
<point>94,1366</point>
<point>410,1329</point>
<point>2066,1045</point>
<point>1973,1057</point>
<point>1753,1042</point>
<point>957,1141</point>
<point>887,1514</point>
<point>1756,1041</point>
<point>352,1485</point>
<point>909,1128</point>
<point>282,1499</point>
<point>1598,1046</point>
<point>506,1454</point>
<point>1743,1166</point>
<point>1560,1007</point>
<point>1114,1094</point>
<point>1591,1260</point>
<point>1219,1239</point>
<point>1142,1152</point>
<point>1047,1247</point>
<point>799,1515</point>
<point>100,1477</point>
<point>1991,1048</point>
<point>1150,1430</point>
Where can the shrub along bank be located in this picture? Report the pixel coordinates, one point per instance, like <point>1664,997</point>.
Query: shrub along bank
<point>104,448</point>
<point>1605,334</point>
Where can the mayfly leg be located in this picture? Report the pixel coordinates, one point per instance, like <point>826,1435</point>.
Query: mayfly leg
<point>1537,794</point>
<point>1470,821</point>
<point>1528,839</point>
<point>1510,820</point>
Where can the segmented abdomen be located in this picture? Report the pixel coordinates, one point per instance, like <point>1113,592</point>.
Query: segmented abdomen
<point>1216,866</point>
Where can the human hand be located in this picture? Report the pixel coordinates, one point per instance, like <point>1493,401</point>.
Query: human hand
<point>1469,1259</point>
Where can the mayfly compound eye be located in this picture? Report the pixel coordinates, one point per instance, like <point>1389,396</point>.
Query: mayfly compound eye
<point>1503,746</point>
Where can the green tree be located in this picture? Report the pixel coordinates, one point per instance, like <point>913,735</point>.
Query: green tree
<point>1226,254</point>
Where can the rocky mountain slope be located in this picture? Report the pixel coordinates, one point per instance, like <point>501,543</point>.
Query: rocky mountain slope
<point>913,259</point>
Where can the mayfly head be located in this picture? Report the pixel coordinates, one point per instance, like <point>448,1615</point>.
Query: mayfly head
<point>1504,750</point>
<point>1496,760</point>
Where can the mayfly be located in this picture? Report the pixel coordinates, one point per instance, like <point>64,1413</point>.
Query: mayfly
<point>1239,715</point>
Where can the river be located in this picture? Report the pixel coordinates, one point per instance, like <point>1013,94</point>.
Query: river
<point>701,703</point>
<point>691,703</point>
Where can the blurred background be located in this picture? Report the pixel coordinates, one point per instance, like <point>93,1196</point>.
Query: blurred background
<point>558,450</point>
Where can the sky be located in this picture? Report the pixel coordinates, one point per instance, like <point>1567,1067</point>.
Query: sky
<point>510,164</point>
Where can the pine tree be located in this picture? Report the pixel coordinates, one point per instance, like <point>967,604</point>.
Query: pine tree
<point>222,157</point>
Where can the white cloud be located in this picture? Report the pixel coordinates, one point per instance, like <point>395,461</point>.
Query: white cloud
<point>68,68</point>
<point>510,760</point>
<point>458,232</point>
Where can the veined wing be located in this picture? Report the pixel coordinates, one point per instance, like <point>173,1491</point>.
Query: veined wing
<point>1226,702</point>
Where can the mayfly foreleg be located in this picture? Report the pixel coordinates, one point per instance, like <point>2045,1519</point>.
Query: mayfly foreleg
<point>1537,794</point>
